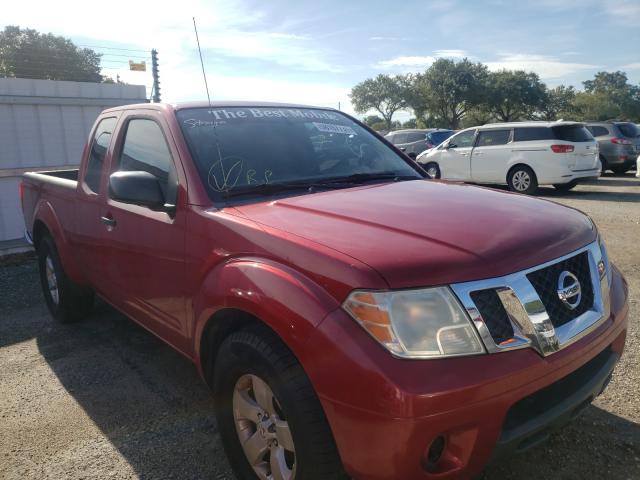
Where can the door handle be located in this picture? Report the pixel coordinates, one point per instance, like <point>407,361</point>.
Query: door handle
<point>478,154</point>
<point>108,221</point>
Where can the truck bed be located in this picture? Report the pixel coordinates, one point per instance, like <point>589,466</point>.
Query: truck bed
<point>55,189</point>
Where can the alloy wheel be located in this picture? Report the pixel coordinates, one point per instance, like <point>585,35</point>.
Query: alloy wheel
<point>263,429</point>
<point>521,180</point>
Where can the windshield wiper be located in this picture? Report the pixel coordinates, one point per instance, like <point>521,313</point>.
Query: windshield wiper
<point>366,177</point>
<point>271,188</point>
<point>312,186</point>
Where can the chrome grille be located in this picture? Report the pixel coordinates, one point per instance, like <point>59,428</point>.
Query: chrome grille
<point>545,281</point>
<point>524,309</point>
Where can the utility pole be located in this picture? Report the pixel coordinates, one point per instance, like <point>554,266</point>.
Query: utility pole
<point>156,77</point>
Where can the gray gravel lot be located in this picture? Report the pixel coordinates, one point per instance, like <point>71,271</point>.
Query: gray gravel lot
<point>106,399</point>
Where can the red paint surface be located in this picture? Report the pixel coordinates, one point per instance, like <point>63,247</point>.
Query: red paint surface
<point>292,262</point>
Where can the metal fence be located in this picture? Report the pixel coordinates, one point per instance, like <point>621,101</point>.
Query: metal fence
<point>43,126</point>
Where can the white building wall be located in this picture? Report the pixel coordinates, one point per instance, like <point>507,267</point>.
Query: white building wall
<point>44,124</point>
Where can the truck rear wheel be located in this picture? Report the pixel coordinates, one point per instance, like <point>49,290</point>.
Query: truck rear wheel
<point>67,301</point>
<point>269,417</point>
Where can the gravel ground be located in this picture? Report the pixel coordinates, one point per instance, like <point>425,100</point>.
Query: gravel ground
<point>105,399</point>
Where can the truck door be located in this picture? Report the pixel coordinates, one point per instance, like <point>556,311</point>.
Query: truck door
<point>145,265</point>
<point>455,156</point>
<point>490,157</point>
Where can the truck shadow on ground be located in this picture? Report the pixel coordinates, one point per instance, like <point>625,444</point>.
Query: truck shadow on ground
<point>147,399</point>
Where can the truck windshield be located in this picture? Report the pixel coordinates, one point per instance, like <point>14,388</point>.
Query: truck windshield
<point>239,150</point>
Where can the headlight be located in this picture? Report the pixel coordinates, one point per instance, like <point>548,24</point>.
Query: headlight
<point>425,323</point>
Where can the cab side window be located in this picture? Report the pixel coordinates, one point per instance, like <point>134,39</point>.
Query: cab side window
<point>145,149</point>
<point>490,138</point>
<point>99,147</point>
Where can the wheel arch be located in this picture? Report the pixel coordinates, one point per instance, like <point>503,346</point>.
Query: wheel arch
<point>46,222</point>
<point>248,291</point>
<point>520,163</point>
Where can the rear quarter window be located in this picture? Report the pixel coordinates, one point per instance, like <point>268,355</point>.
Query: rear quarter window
<point>572,133</point>
<point>99,146</point>
<point>628,130</point>
<point>532,133</point>
<point>415,136</point>
<point>598,131</point>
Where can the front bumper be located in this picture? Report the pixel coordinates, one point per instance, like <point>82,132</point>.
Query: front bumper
<point>386,412</point>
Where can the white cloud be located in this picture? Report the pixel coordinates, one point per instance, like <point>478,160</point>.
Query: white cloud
<point>226,28</point>
<point>387,39</point>
<point>547,67</point>
<point>626,12</point>
<point>631,66</point>
<point>451,53</point>
<point>407,61</point>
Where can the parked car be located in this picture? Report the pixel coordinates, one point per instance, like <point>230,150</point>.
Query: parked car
<point>521,155</point>
<point>619,144</point>
<point>414,141</point>
<point>341,332</point>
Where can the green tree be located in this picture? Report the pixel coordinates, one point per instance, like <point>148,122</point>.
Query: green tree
<point>479,115</point>
<point>385,94</point>
<point>514,94</point>
<point>411,123</point>
<point>28,53</point>
<point>447,90</point>
<point>609,95</point>
<point>557,103</point>
<point>372,119</point>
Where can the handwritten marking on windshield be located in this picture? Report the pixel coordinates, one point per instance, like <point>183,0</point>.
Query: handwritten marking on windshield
<point>194,122</point>
<point>222,179</point>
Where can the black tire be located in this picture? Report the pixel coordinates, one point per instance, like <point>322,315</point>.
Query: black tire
<point>604,163</point>
<point>521,179</point>
<point>620,170</point>
<point>69,302</point>
<point>412,155</point>
<point>257,351</point>
<point>434,167</point>
<point>565,187</point>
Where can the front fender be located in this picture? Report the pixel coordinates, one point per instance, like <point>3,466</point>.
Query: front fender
<point>290,303</point>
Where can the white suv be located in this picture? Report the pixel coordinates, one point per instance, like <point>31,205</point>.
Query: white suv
<point>521,155</point>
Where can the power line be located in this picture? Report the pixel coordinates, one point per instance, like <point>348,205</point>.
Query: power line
<point>112,48</point>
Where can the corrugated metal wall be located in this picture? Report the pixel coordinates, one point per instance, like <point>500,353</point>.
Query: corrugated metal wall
<point>44,125</point>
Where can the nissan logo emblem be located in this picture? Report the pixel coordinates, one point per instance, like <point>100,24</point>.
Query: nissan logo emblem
<point>569,290</point>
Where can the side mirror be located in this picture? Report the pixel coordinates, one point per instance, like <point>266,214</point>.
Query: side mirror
<point>138,188</point>
<point>450,145</point>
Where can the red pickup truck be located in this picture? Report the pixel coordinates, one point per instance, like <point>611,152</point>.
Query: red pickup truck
<point>352,316</point>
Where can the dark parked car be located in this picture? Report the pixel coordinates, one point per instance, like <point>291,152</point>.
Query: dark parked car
<point>619,144</point>
<point>415,141</point>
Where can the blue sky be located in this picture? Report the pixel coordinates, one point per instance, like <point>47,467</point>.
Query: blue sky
<point>314,52</point>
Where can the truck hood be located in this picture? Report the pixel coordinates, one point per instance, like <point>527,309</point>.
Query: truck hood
<point>418,233</point>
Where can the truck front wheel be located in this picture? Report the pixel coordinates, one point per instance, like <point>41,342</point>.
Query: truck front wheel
<point>269,417</point>
<point>67,301</point>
